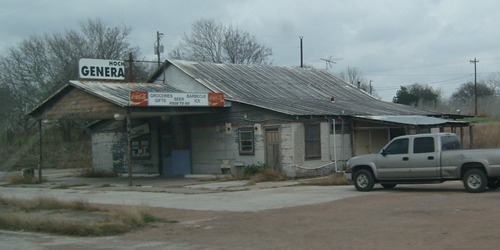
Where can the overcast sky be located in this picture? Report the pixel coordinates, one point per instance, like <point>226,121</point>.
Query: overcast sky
<point>392,42</point>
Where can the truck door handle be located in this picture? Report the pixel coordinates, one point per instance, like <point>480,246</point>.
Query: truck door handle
<point>405,158</point>
<point>430,158</point>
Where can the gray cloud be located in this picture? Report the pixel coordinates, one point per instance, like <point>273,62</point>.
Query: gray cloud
<point>392,42</point>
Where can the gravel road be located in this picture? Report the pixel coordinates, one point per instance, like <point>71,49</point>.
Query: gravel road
<point>437,216</point>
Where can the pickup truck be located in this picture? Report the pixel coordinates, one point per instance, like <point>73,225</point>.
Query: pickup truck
<point>426,158</point>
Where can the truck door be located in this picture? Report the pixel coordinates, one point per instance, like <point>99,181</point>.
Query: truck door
<point>393,162</point>
<point>424,160</point>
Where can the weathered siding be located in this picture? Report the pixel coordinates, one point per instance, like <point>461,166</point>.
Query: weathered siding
<point>103,151</point>
<point>288,154</point>
<point>109,153</point>
<point>215,147</point>
<point>179,80</point>
<point>301,165</point>
<point>78,104</point>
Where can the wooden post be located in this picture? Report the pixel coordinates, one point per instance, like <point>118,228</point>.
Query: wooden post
<point>40,150</point>
<point>471,137</point>
<point>129,148</point>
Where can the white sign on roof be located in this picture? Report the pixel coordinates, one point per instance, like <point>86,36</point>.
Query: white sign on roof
<point>101,69</point>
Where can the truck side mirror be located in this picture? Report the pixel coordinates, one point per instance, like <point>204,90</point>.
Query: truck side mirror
<point>384,153</point>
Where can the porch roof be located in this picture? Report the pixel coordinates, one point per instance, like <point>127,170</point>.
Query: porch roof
<point>415,120</point>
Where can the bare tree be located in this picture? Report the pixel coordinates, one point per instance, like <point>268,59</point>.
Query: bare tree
<point>465,93</point>
<point>210,41</point>
<point>41,64</point>
<point>355,77</point>
<point>352,75</point>
<point>493,81</point>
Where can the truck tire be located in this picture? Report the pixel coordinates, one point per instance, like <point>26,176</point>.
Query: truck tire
<point>364,180</point>
<point>475,180</point>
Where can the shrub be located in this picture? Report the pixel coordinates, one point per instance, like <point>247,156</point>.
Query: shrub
<point>254,169</point>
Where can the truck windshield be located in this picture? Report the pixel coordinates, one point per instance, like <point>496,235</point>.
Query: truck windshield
<point>449,142</point>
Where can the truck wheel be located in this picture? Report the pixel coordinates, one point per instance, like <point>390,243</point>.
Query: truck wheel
<point>475,180</point>
<point>364,180</point>
<point>388,185</point>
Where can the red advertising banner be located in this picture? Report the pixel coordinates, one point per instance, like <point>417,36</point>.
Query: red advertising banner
<point>164,99</point>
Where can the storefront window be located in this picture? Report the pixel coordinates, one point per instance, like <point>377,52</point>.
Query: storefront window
<point>246,141</point>
<point>312,141</point>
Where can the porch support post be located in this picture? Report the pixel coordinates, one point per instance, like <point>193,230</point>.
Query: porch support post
<point>471,137</point>
<point>40,150</point>
<point>129,148</point>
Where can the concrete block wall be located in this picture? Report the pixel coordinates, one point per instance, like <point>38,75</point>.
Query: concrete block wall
<point>215,147</point>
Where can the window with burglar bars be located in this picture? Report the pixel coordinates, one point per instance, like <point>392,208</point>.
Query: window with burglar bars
<point>312,141</point>
<point>246,141</point>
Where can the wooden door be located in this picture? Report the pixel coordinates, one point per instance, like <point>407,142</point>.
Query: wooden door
<point>272,148</point>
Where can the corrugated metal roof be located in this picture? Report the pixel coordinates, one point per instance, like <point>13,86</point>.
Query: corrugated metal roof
<point>114,92</point>
<point>412,120</point>
<point>119,93</point>
<point>293,91</point>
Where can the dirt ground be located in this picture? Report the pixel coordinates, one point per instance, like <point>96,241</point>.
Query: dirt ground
<point>409,217</point>
<point>437,216</point>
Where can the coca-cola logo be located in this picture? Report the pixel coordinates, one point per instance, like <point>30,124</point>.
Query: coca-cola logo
<point>138,98</point>
<point>216,99</point>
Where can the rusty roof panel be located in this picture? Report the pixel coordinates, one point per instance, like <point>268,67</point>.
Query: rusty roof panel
<point>294,91</point>
<point>119,93</point>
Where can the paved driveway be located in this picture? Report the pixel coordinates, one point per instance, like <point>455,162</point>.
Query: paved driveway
<point>234,201</point>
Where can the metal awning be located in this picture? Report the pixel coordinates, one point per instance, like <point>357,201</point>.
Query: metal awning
<point>415,120</point>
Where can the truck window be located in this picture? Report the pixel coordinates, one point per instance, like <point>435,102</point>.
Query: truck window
<point>450,142</point>
<point>399,146</point>
<point>423,145</point>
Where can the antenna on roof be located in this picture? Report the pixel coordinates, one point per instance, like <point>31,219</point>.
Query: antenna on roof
<point>329,61</point>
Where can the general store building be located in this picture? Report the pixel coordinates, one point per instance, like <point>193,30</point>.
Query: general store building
<point>303,122</point>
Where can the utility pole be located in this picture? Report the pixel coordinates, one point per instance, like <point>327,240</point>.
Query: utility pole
<point>475,84</point>
<point>131,67</point>
<point>301,53</point>
<point>371,87</point>
<point>158,47</point>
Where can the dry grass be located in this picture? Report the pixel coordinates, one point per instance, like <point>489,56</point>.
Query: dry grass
<point>268,174</point>
<point>335,179</point>
<point>486,135</point>
<point>91,173</point>
<point>67,186</point>
<point>77,218</point>
<point>19,179</point>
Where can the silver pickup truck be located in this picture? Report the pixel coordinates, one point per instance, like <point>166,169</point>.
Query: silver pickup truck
<point>426,158</point>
